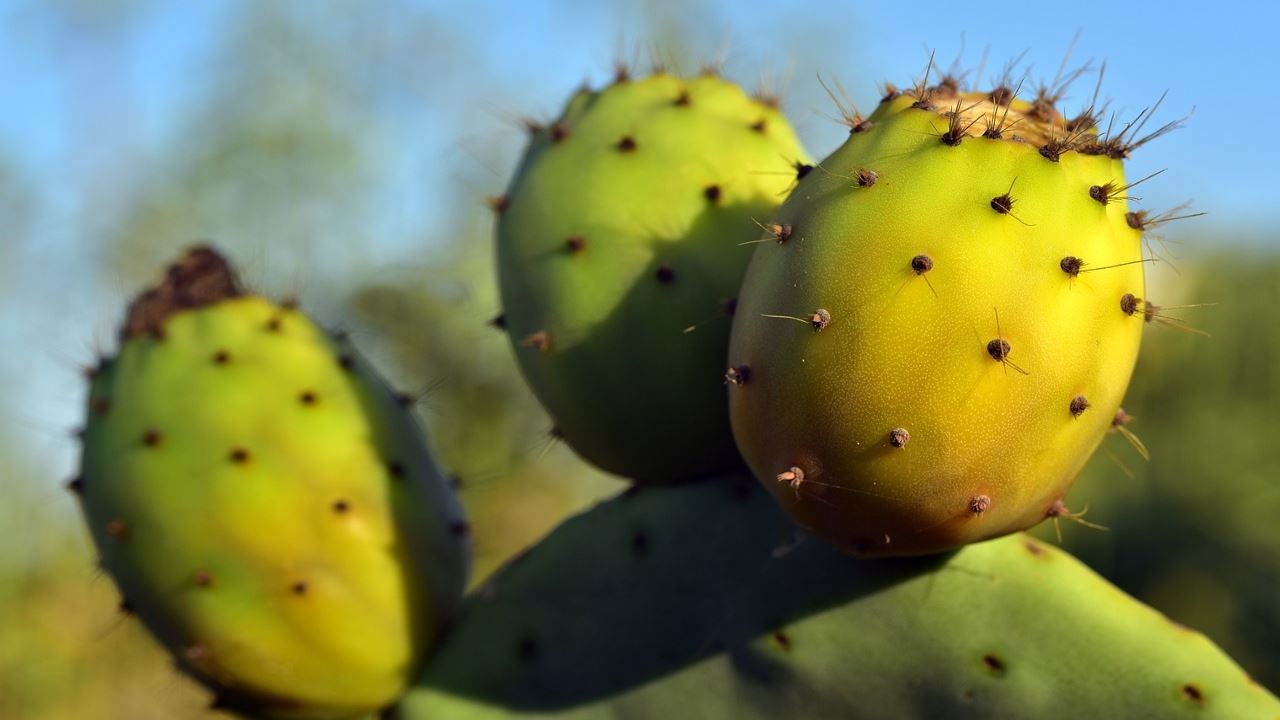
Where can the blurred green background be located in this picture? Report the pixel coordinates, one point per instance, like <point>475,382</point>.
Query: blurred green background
<point>341,152</point>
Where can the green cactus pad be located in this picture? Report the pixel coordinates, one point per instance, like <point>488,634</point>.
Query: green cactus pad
<point>948,331</point>
<point>700,601</point>
<point>265,503</point>
<point>623,228</point>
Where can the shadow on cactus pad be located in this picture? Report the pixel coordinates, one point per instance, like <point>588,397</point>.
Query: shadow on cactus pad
<point>701,601</point>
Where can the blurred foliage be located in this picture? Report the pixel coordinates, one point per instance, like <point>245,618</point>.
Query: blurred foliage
<point>287,162</point>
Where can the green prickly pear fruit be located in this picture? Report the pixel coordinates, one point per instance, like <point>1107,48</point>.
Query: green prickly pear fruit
<point>621,243</point>
<point>947,333</point>
<point>266,504</point>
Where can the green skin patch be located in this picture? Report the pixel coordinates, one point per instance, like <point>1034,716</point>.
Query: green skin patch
<point>269,509</point>
<point>975,344</point>
<point>624,227</point>
<point>699,601</point>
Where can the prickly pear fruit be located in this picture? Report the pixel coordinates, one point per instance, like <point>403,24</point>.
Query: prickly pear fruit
<point>266,505</point>
<point>620,252</point>
<point>699,601</point>
<point>946,333</point>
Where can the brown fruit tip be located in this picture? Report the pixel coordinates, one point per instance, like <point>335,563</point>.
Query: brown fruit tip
<point>200,277</point>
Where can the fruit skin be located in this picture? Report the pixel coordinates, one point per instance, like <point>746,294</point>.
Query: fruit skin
<point>267,506</point>
<point>700,601</point>
<point>956,315</point>
<point>623,226</point>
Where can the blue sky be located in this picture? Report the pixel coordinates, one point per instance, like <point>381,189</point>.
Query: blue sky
<point>88,91</point>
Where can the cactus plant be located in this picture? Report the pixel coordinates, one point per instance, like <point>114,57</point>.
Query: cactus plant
<point>265,503</point>
<point>948,329</point>
<point>623,228</point>
<point>701,601</point>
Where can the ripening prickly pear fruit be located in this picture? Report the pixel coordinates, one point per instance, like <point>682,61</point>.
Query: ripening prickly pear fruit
<point>266,504</point>
<point>620,251</point>
<point>947,331</point>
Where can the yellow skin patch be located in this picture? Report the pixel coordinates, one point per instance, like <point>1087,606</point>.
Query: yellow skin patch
<point>625,226</point>
<point>977,354</point>
<point>269,509</point>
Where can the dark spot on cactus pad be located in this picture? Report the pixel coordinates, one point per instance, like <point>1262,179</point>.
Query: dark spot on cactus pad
<point>998,349</point>
<point>499,321</point>
<point>867,178</point>
<point>201,277</point>
<point>459,528</point>
<point>497,203</point>
<point>556,432</point>
<point>921,264</point>
<point>196,652</point>
<point>558,132</point>
<point>202,578</point>
<point>899,437</point>
<point>1078,405</point>
<point>531,126</point>
<point>346,362</point>
<point>729,305</point>
<point>539,341</point>
<point>1002,204</point>
<point>76,485</point>
<point>99,405</point>
<point>403,399</point>
<point>802,169</point>
<point>573,245</point>
<point>621,73</point>
<point>993,664</point>
<point>711,193</point>
<point>781,233</point>
<point>1129,303</point>
<point>783,640</point>
<point>299,588</point>
<point>759,126</point>
<point>273,325</point>
<point>1192,692</point>
<point>640,544</point>
<point>820,319</point>
<point>1002,95</point>
<point>288,304</point>
<point>308,397</point>
<point>979,504</point>
<point>118,530</point>
<point>455,481</point>
<point>682,100</point>
<point>527,649</point>
<point>626,144</point>
<point>665,274</point>
<point>151,438</point>
<point>239,456</point>
<point>395,469</point>
<point>126,607</point>
<point>889,91</point>
<point>221,357</point>
<point>1071,265</point>
<point>1121,418</point>
<point>739,375</point>
<point>341,507</point>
